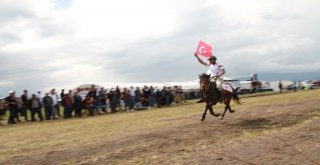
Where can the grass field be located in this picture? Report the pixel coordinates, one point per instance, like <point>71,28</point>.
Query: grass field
<point>171,135</point>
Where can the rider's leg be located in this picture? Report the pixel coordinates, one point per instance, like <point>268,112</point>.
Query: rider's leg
<point>201,97</point>
<point>220,90</point>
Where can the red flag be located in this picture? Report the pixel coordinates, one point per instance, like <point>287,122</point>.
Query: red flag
<point>204,49</point>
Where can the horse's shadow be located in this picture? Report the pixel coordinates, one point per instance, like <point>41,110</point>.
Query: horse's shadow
<point>254,123</point>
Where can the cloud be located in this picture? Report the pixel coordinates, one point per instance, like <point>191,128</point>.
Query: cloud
<point>58,44</point>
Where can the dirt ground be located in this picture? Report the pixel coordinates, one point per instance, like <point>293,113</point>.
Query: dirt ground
<point>281,133</point>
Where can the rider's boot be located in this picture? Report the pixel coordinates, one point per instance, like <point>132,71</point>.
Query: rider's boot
<point>201,99</point>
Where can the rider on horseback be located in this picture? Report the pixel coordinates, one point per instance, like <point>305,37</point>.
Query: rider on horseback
<point>216,71</point>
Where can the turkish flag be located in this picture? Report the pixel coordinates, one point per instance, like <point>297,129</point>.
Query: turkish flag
<point>204,49</point>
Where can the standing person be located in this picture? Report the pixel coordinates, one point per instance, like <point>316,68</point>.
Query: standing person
<point>77,104</point>
<point>216,71</point>
<point>93,93</point>
<point>67,104</point>
<point>118,95</point>
<point>112,100</point>
<point>47,103</point>
<point>280,86</point>
<point>138,94</point>
<point>146,96</point>
<point>127,99</point>
<point>62,94</point>
<point>35,106</point>
<point>12,105</point>
<point>19,109</point>
<point>59,102</point>
<point>55,104</point>
<point>152,96</point>
<point>24,99</point>
<point>102,100</point>
<point>133,95</point>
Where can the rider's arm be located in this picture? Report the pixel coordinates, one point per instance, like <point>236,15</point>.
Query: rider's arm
<point>200,61</point>
<point>221,73</point>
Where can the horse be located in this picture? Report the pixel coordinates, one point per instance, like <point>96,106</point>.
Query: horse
<point>209,93</point>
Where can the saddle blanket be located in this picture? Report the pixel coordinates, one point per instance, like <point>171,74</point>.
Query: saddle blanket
<point>227,87</point>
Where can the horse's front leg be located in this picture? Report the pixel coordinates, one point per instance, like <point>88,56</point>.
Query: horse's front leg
<point>204,113</point>
<point>212,112</point>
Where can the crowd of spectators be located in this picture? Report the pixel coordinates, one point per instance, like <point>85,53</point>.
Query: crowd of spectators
<point>88,102</point>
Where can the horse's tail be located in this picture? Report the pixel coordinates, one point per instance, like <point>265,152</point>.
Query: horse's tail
<point>235,95</point>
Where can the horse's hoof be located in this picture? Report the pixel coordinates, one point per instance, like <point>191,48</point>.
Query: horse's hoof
<point>231,111</point>
<point>202,119</point>
<point>217,115</point>
<point>221,117</point>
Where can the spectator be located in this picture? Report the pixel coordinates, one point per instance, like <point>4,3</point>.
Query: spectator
<point>112,100</point>
<point>59,102</point>
<point>47,103</point>
<point>62,94</point>
<point>139,105</point>
<point>77,104</point>
<point>3,109</point>
<point>146,96</point>
<point>35,106</point>
<point>93,94</point>
<point>24,99</point>
<point>102,100</point>
<point>159,97</point>
<point>55,103</point>
<point>12,105</point>
<point>118,96</point>
<point>67,104</point>
<point>127,99</point>
<point>152,96</point>
<point>138,94</point>
<point>132,95</point>
<point>88,104</point>
<point>280,86</point>
<point>20,109</point>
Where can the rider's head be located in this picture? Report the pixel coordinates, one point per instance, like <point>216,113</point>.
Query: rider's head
<point>212,59</point>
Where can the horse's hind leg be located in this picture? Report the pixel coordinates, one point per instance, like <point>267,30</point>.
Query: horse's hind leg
<point>230,110</point>
<point>224,112</point>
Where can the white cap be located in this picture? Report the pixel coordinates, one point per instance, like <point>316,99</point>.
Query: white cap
<point>11,92</point>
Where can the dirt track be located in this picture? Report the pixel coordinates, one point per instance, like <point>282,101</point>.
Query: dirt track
<point>286,133</point>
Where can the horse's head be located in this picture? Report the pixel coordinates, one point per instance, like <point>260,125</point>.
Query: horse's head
<point>204,82</point>
<point>204,78</point>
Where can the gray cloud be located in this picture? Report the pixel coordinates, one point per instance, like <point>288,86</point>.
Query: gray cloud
<point>276,42</point>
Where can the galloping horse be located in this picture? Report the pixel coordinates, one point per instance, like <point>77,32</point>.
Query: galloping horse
<point>209,93</point>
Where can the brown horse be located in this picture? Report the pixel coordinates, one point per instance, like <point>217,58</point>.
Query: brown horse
<point>209,93</point>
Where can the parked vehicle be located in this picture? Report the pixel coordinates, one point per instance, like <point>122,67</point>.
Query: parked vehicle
<point>307,84</point>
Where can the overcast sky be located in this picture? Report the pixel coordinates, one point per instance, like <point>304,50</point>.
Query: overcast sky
<point>65,43</point>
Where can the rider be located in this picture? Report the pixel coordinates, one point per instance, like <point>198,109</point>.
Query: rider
<point>216,71</point>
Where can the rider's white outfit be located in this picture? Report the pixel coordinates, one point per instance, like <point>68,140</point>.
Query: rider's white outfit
<point>214,70</point>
